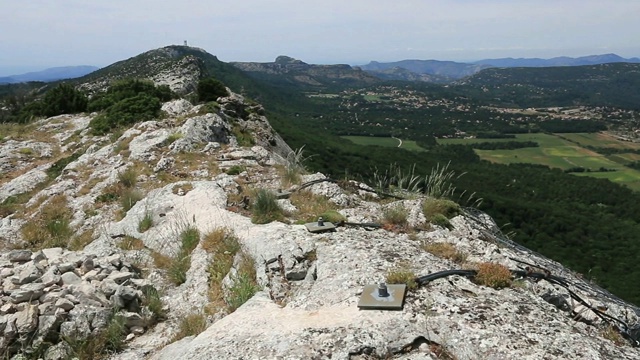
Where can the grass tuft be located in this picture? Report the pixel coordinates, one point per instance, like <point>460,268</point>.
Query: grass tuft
<point>402,275</point>
<point>191,325</point>
<point>146,222</point>
<point>446,251</point>
<point>266,208</point>
<point>50,228</point>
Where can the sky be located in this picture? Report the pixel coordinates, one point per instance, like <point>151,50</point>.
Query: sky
<point>37,34</point>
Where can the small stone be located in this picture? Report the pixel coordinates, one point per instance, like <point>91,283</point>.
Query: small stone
<point>6,272</point>
<point>47,309</point>
<point>126,293</point>
<point>115,260</point>
<point>137,330</point>
<point>50,278</point>
<point>91,275</point>
<point>27,292</point>
<point>59,351</point>
<point>53,254</point>
<point>66,267</point>
<point>130,337</point>
<point>27,319</point>
<point>120,277</point>
<point>134,319</point>
<point>19,255</point>
<point>38,256</point>
<point>7,309</point>
<point>88,265</point>
<point>65,304</point>
<point>29,273</point>
<point>72,298</point>
<point>70,278</point>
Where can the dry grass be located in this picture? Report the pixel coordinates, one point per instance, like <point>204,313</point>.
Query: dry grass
<point>432,207</point>
<point>192,324</point>
<point>311,206</point>
<point>493,275</point>
<point>184,187</point>
<point>50,227</point>
<point>394,218</point>
<point>161,261</point>
<point>132,243</point>
<point>223,245</point>
<point>402,275</point>
<point>610,332</point>
<point>78,242</point>
<point>122,146</point>
<point>446,251</point>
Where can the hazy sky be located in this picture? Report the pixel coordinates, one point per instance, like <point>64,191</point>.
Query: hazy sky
<point>36,34</point>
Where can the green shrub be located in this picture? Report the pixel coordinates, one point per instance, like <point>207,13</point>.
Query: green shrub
<point>125,103</point>
<point>243,135</point>
<point>210,89</point>
<point>265,208</point>
<point>131,243</point>
<point>50,228</point>
<point>333,216</point>
<point>235,170</point>
<point>63,99</point>
<point>433,206</point>
<point>172,138</point>
<point>441,220</point>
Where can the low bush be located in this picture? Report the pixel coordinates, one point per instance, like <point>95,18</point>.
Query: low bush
<point>395,215</point>
<point>235,170</point>
<point>433,206</point>
<point>493,275</point>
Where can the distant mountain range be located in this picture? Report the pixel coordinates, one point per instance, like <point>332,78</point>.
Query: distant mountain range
<point>287,70</point>
<point>51,74</point>
<point>446,71</point>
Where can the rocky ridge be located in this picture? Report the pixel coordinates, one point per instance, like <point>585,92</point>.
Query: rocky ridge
<point>194,169</point>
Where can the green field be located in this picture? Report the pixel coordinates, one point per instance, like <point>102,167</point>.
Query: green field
<point>383,141</point>
<point>600,140</point>
<point>564,151</point>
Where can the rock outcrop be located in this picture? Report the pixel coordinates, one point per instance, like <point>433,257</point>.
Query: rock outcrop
<point>125,273</point>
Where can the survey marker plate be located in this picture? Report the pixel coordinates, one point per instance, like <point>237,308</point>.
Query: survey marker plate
<point>370,300</point>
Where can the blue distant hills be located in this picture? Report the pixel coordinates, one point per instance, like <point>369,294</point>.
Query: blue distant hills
<point>450,70</point>
<point>51,74</point>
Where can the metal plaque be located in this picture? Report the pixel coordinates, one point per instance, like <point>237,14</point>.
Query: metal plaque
<point>375,297</point>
